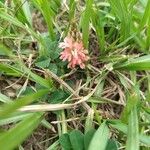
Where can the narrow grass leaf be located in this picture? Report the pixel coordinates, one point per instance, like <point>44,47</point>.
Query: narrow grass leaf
<point>6,69</point>
<point>11,19</point>
<point>146,15</point>
<point>133,131</point>
<point>100,138</point>
<point>121,12</point>
<point>140,63</point>
<point>4,98</point>
<point>14,119</point>
<point>117,124</point>
<point>97,21</point>
<point>48,15</point>
<point>5,51</point>
<point>15,136</point>
<point>27,12</point>
<point>132,101</point>
<point>23,70</point>
<point>7,109</point>
<point>54,146</point>
<point>85,21</point>
<point>89,120</point>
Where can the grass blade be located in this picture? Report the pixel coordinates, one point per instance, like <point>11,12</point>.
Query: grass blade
<point>15,136</point>
<point>97,20</point>
<point>85,22</point>
<point>140,63</point>
<point>7,109</point>
<point>133,131</point>
<point>11,19</point>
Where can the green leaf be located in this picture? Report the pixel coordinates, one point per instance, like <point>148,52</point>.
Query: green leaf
<point>43,63</point>
<point>145,139</point>
<point>111,145</point>
<point>15,136</point>
<point>88,137</point>
<point>77,140</point>
<point>65,141</point>
<point>140,63</point>
<point>133,131</point>
<point>100,138</point>
<point>57,96</point>
<point>53,67</point>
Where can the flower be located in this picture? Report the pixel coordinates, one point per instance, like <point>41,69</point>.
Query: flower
<point>73,52</point>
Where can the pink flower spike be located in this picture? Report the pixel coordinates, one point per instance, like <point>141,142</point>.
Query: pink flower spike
<point>68,43</point>
<point>74,53</point>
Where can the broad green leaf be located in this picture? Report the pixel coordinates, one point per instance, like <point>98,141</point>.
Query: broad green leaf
<point>133,131</point>
<point>100,138</point>
<point>112,145</point>
<point>87,138</point>
<point>7,109</point>
<point>145,139</point>
<point>57,96</point>
<point>43,63</point>
<point>139,63</point>
<point>53,68</point>
<point>16,135</point>
<point>65,141</point>
<point>77,140</point>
